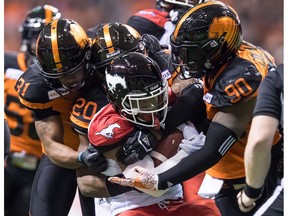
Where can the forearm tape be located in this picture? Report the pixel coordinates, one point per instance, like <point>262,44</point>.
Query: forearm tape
<point>219,140</point>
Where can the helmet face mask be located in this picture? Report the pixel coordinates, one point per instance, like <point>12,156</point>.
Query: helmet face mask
<point>63,52</point>
<point>145,108</point>
<point>207,36</point>
<point>136,89</point>
<point>73,80</point>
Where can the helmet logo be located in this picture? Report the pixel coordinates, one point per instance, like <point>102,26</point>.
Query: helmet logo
<point>79,35</point>
<point>109,55</point>
<point>112,81</point>
<point>223,29</point>
<point>108,131</point>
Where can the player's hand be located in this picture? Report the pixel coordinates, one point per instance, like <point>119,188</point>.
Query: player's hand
<point>189,130</point>
<point>151,43</point>
<point>245,203</point>
<point>137,146</point>
<point>93,159</point>
<point>146,179</point>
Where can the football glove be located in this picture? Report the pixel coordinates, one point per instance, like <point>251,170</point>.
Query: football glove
<point>146,179</point>
<point>93,159</point>
<point>137,146</point>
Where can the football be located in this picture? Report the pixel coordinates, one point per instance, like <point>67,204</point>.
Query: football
<point>167,147</point>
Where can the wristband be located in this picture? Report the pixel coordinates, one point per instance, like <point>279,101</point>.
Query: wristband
<point>246,207</point>
<point>253,193</point>
<point>79,157</point>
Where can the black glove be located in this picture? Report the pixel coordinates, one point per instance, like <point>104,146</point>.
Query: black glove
<point>161,58</point>
<point>151,43</point>
<point>137,146</point>
<point>92,159</point>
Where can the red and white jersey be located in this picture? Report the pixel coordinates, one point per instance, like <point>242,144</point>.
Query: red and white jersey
<point>106,131</point>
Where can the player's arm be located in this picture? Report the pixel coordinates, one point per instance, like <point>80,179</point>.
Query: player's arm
<point>258,150</point>
<point>226,127</point>
<point>51,132</point>
<point>91,183</point>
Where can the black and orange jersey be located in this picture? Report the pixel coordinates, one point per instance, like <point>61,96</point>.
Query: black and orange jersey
<point>46,100</point>
<point>23,136</point>
<point>86,106</point>
<point>236,82</point>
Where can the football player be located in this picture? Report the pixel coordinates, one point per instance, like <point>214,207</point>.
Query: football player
<point>49,88</point>
<point>267,118</point>
<point>25,149</point>
<point>138,98</point>
<point>110,40</point>
<point>161,21</point>
<point>207,42</point>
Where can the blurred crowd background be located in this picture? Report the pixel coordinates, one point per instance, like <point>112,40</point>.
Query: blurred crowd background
<point>262,20</point>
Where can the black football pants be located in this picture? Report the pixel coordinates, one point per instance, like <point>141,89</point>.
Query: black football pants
<point>54,190</point>
<point>17,189</point>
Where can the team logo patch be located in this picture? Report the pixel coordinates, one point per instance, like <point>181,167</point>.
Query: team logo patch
<point>54,94</point>
<point>208,97</point>
<point>166,74</point>
<point>108,131</point>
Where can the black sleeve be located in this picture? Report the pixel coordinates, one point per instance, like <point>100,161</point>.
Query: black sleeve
<point>42,114</point>
<point>270,96</point>
<point>190,106</point>
<point>219,140</point>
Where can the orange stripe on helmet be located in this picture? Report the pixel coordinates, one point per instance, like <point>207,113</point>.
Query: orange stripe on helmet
<point>54,43</point>
<point>133,31</point>
<point>108,39</point>
<point>48,15</point>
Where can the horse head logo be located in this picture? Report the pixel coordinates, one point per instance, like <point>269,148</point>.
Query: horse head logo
<point>108,131</point>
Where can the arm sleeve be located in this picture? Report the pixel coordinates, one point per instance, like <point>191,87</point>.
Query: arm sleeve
<point>42,114</point>
<point>182,111</point>
<point>199,161</point>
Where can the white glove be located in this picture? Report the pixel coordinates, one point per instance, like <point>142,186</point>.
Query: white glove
<point>189,130</point>
<point>193,145</point>
<point>145,179</point>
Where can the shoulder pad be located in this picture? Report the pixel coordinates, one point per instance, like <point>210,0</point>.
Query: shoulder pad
<point>31,86</point>
<point>238,82</point>
<point>108,127</point>
<point>85,107</point>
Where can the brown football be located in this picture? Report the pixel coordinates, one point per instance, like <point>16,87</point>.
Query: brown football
<point>167,147</point>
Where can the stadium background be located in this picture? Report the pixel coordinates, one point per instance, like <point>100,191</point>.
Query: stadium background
<point>262,22</point>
